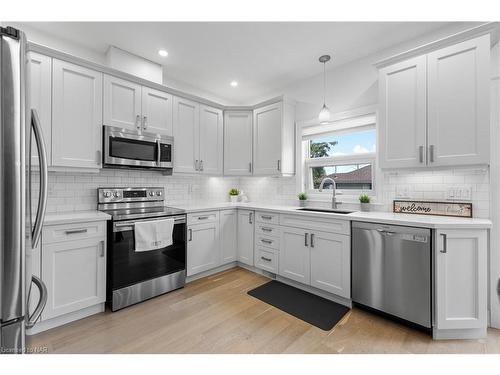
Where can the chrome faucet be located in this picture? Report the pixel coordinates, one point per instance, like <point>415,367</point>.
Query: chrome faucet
<point>334,189</point>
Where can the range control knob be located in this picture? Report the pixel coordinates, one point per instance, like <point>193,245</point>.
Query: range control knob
<point>106,194</point>
<point>116,194</point>
<point>158,193</point>
<point>151,193</point>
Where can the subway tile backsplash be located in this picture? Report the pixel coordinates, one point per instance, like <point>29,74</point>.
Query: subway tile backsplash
<point>71,191</point>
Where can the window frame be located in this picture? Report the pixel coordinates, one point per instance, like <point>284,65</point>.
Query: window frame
<point>304,180</point>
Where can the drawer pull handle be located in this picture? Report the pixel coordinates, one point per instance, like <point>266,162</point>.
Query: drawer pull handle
<point>312,239</point>
<point>265,229</point>
<point>250,218</point>
<point>266,259</point>
<point>76,231</point>
<point>203,217</point>
<point>266,241</point>
<point>445,243</point>
<point>190,234</point>
<point>306,236</point>
<point>267,217</point>
<point>101,254</point>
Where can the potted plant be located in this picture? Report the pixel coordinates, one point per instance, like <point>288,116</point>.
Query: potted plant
<point>364,199</point>
<point>302,199</point>
<point>233,195</point>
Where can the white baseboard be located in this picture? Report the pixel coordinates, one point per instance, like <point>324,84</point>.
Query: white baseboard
<point>461,334</point>
<point>211,272</point>
<point>65,319</point>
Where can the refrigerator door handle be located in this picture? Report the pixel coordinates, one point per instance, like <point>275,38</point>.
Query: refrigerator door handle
<point>42,199</point>
<point>41,303</point>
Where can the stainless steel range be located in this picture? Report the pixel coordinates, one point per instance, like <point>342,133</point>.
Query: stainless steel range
<point>134,276</point>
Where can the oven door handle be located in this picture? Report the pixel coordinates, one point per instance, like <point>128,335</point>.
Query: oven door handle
<point>129,225</point>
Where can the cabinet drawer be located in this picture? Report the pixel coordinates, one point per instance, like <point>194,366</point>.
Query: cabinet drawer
<point>267,241</point>
<point>317,223</point>
<point>267,230</point>
<point>266,259</point>
<point>203,217</point>
<point>267,217</point>
<point>71,232</point>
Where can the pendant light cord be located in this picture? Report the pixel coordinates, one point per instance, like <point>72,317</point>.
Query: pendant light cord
<point>324,83</point>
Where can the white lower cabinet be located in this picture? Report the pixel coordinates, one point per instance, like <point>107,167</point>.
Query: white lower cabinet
<point>203,249</point>
<point>266,259</point>
<point>245,237</point>
<point>461,279</point>
<point>331,263</point>
<point>74,270</point>
<point>295,258</point>
<point>229,235</point>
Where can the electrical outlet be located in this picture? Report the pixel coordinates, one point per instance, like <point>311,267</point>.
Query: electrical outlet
<point>459,192</point>
<point>402,191</point>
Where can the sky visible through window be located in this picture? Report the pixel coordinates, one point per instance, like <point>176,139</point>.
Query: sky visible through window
<point>352,143</point>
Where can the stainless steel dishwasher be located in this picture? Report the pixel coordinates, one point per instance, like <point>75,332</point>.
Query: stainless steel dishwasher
<point>391,270</point>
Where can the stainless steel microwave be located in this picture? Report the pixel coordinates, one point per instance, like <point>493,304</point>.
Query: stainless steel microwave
<point>125,148</point>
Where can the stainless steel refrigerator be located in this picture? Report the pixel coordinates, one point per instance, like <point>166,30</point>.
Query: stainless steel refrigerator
<point>19,231</point>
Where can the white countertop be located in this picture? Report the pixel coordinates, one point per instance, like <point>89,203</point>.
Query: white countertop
<point>423,221</point>
<point>53,218</point>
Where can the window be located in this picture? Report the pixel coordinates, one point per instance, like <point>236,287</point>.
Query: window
<point>343,151</point>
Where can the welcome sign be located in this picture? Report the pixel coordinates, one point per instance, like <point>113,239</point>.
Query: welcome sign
<point>457,209</point>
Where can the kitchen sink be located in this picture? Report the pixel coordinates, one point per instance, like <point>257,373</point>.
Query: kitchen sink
<point>327,210</point>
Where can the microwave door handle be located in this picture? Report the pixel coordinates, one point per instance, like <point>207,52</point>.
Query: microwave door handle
<point>42,199</point>
<point>158,151</point>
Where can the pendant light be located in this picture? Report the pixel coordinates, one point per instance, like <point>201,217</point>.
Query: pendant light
<point>324,114</point>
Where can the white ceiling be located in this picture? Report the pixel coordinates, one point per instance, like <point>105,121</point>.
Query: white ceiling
<point>262,57</point>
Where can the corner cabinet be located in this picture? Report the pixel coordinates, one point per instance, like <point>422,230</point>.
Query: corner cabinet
<point>76,116</point>
<point>434,108</point>
<point>460,282</point>
<point>211,141</point>
<point>238,143</point>
<point>274,139</point>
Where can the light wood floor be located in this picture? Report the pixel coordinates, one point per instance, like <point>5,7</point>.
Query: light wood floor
<point>215,315</point>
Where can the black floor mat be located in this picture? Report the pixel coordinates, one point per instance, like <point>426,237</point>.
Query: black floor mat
<point>308,307</point>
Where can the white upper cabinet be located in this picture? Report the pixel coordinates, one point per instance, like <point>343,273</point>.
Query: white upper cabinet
<point>237,143</point>
<point>40,87</point>
<point>461,297</point>
<point>434,108</point>
<point>76,116</point>
<point>122,103</point>
<point>458,103</point>
<point>403,114</point>
<point>211,140</point>
<point>156,111</point>
<point>274,139</point>
<point>267,140</point>
<point>186,136</point>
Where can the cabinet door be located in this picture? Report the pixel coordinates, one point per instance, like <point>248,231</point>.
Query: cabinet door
<point>245,237</point>
<point>40,87</point>
<point>122,103</point>
<point>76,116</point>
<point>75,275</point>
<point>267,140</point>
<point>331,263</point>
<point>458,100</point>
<point>294,260</point>
<point>238,143</point>
<point>211,140</point>
<point>156,111</point>
<point>186,136</point>
<point>229,235</point>
<point>461,279</point>
<point>203,250</point>
<point>402,114</point>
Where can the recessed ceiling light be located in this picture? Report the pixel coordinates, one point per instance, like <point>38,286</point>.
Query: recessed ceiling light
<point>163,53</point>
<point>234,83</point>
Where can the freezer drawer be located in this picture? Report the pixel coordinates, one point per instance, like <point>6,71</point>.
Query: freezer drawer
<point>391,270</point>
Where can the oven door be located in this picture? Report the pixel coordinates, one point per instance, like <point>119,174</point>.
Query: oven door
<point>124,148</point>
<point>128,267</point>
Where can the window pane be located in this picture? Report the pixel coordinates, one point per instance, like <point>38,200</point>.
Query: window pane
<point>352,176</point>
<point>359,142</point>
